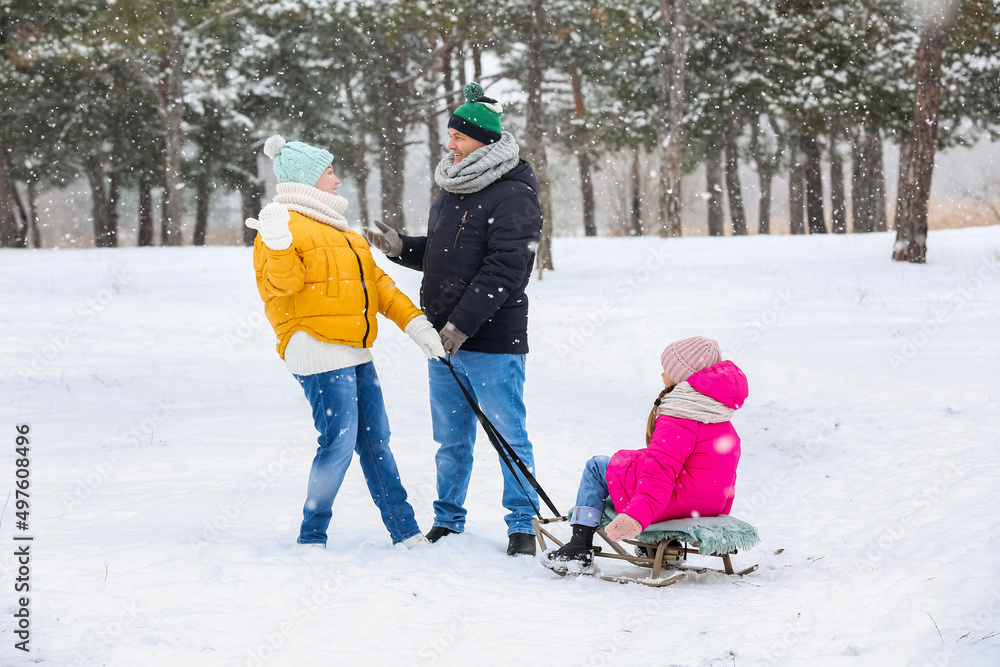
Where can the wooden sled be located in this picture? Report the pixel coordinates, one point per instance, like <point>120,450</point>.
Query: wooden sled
<point>668,545</point>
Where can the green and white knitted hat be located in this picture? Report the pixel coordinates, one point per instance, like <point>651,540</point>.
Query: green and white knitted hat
<point>296,162</point>
<point>479,117</point>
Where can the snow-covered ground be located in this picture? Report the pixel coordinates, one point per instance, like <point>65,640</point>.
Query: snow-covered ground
<point>169,449</point>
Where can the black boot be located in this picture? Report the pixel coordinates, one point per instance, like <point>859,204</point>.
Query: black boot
<point>521,544</point>
<point>577,555</point>
<point>437,532</point>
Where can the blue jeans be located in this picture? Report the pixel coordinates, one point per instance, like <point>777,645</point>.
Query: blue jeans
<point>593,493</point>
<point>496,382</point>
<point>349,414</point>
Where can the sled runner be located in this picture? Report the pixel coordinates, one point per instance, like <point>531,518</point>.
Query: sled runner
<point>664,547</point>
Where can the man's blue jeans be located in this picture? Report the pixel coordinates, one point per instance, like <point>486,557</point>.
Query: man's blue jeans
<point>349,414</point>
<point>593,493</point>
<point>496,381</point>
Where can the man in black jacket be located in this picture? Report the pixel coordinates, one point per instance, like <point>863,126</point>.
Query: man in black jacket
<point>476,259</point>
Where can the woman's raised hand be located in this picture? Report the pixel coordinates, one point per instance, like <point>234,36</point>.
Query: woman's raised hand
<point>272,223</point>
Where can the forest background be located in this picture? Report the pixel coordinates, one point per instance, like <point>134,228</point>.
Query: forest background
<point>134,122</point>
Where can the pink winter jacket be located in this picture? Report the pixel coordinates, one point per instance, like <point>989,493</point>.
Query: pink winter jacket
<point>689,468</point>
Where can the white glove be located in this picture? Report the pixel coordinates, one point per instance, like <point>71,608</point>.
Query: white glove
<point>273,226</point>
<point>423,334</point>
<point>388,241</point>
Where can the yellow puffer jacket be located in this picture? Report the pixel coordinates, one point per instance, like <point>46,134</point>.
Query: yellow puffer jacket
<point>328,285</point>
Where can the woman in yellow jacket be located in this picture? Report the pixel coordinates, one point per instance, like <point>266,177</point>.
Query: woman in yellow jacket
<point>321,291</point>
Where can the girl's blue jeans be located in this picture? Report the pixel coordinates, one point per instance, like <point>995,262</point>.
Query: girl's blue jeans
<point>349,414</point>
<point>593,493</point>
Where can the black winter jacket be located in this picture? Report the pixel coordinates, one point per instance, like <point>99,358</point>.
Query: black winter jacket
<point>477,259</point>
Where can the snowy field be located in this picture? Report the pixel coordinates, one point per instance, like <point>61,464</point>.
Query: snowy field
<point>169,449</point>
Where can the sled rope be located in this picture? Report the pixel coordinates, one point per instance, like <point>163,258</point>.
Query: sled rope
<point>505,451</point>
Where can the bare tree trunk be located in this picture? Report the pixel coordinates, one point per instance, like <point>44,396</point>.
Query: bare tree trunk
<point>868,190</point>
<point>360,166</point>
<point>114,196</point>
<point>251,189</point>
<point>765,179</point>
<point>391,166</point>
<point>734,188</point>
<point>145,211</point>
<point>636,193</point>
<point>861,196</point>
<point>392,138</point>
<point>163,213</point>
<point>477,62</point>
<point>8,217</point>
<point>460,65</point>
<point>171,115</point>
<point>582,141</point>
<point>903,202</point>
<point>36,239</point>
<point>10,232</point>
<point>876,186</point>
<point>713,188</point>
<point>670,113</point>
<point>767,166</point>
<point>449,80</point>
<point>916,172</point>
<point>587,191</point>
<point>814,185</point>
<point>796,198</point>
<point>203,195</point>
<point>433,131</point>
<point>838,207</point>
<point>99,201</point>
<point>434,150</point>
<point>534,135</point>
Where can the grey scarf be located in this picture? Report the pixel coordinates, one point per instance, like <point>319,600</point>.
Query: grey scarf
<point>480,168</point>
<point>686,402</point>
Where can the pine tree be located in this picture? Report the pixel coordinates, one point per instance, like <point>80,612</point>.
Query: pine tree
<point>973,30</point>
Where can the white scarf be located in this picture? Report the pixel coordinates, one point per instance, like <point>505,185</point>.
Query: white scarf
<point>480,168</point>
<point>686,402</point>
<point>313,203</point>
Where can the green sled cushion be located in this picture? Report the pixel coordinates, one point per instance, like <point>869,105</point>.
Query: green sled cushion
<point>713,534</point>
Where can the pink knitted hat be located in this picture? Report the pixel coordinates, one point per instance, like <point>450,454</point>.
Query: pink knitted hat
<point>686,357</point>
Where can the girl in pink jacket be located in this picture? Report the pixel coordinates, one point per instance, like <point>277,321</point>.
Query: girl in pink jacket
<point>688,467</point>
